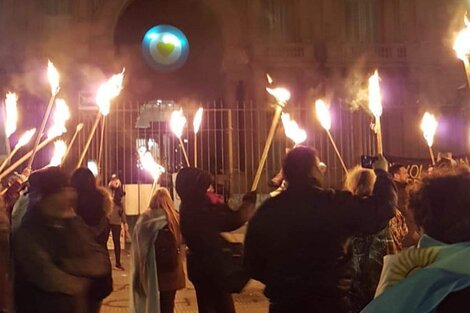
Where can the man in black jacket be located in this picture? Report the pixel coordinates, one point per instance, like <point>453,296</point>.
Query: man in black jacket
<point>297,242</point>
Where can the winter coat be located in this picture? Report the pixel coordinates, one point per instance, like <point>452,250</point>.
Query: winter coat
<point>297,242</point>
<point>57,261</point>
<point>118,214</point>
<point>210,258</point>
<point>95,207</point>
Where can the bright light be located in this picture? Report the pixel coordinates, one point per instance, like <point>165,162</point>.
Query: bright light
<point>93,167</point>
<point>269,78</point>
<point>292,129</point>
<point>25,138</point>
<point>60,148</point>
<point>462,42</point>
<point>171,39</point>
<point>108,91</point>
<point>11,118</point>
<point>177,122</point>
<point>429,126</point>
<point>197,120</point>
<point>375,97</point>
<point>60,116</point>
<point>282,95</point>
<point>148,163</point>
<point>323,114</point>
<point>53,77</point>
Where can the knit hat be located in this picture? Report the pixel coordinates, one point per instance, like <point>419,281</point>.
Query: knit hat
<point>192,183</point>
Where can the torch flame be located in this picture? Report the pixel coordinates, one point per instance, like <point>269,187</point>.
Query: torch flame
<point>148,163</point>
<point>60,117</point>
<point>292,129</point>
<point>462,42</point>
<point>375,98</point>
<point>11,118</point>
<point>53,77</point>
<point>197,120</point>
<point>93,167</point>
<point>323,114</point>
<point>282,95</point>
<point>108,91</point>
<point>25,138</point>
<point>270,80</point>
<point>60,148</point>
<point>429,126</point>
<point>177,122</point>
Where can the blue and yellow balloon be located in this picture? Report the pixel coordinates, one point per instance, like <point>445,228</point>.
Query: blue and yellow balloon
<point>165,48</point>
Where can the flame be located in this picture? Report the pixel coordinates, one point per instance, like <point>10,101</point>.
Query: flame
<point>11,118</point>
<point>25,138</point>
<point>93,167</point>
<point>282,95</point>
<point>323,114</point>
<point>53,77</point>
<point>177,122</point>
<point>60,117</point>
<point>108,91</point>
<point>197,120</point>
<point>269,78</point>
<point>292,129</point>
<point>148,163</point>
<point>375,98</point>
<point>429,126</point>
<point>60,148</point>
<point>462,42</point>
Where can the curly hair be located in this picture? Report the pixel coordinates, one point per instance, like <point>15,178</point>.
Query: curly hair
<point>440,203</point>
<point>360,181</point>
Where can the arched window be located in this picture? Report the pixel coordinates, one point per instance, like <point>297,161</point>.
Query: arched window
<point>281,19</point>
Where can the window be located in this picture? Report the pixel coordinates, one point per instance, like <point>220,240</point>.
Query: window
<point>281,19</point>
<point>361,20</point>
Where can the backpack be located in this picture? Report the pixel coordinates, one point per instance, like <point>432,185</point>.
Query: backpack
<point>166,251</point>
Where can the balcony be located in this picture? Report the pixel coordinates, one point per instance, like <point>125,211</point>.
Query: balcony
<point>382,54</point>
<point>284,53</point>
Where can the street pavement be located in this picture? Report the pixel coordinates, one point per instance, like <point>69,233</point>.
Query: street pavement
<point>251,300</point>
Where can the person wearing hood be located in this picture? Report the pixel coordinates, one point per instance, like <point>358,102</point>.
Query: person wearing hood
<point>297,242</point>
<point>212,268</point>
<point>56,256</point>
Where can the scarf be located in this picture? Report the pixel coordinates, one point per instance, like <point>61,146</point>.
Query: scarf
<point>419,279</point>
<point>145,295</point>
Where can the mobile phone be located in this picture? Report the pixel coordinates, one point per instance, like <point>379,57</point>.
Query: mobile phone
<point>367,161</point>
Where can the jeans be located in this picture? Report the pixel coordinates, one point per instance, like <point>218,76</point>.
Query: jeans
<point>116,232</point>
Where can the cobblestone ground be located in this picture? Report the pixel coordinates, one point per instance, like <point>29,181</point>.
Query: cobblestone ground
<point>250,301</point>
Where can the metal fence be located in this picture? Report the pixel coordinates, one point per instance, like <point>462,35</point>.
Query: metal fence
<point>231,141</point>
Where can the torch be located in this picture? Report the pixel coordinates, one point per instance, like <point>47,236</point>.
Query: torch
<point>11,113</point>
<point>93,167</point>
<point>54,79</point>
<point>153,168</point>
<point>429,126</point>
<point>197,124</point>
<point>375,106</point>
<point>282,95</point>
<point>72,141</point>
<point>23,141</point>
<point>292,129</point>
<point>60,148</point>
<point>177,122</point>
<point>107,91</point>
<point>324,117</point>
<point>462,47</point>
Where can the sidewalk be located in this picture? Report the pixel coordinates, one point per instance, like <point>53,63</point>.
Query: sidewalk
<point>250,301</point>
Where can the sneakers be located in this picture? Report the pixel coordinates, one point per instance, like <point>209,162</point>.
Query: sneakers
<point>119,267</point>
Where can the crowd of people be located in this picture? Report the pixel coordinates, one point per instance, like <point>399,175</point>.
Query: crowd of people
<point>381,244</point>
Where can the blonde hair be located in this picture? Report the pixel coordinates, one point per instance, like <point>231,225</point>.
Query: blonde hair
<point>161,199</point>
<point>360,181</point>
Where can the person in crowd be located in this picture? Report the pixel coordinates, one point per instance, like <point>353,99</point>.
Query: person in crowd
<point>368,250</point>
<point>15,185</point>
<point>402,181</point>
<point>94,204</point>
<point>297,242</point>
<point>157,260</point>
<point>435,275</point>
<point>214,265</point>
<point>5,283</point>
<point>117,218</point>
<point>56,256</point>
